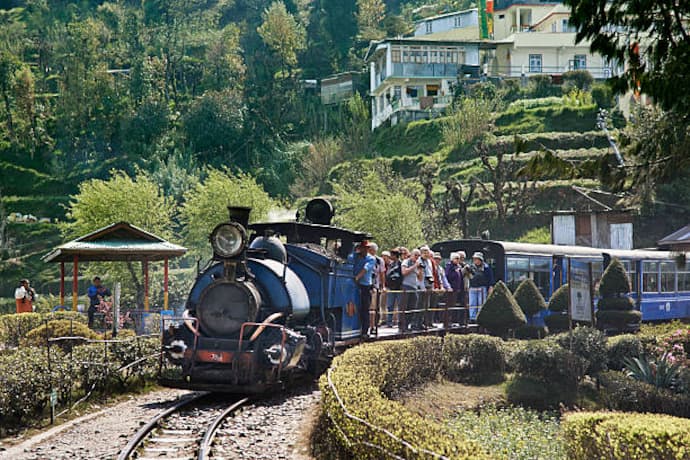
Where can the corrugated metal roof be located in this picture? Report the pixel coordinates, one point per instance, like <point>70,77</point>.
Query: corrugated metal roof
<point>679,236</point>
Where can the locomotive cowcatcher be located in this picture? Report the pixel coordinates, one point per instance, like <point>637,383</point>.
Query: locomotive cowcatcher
<point>273,305</point>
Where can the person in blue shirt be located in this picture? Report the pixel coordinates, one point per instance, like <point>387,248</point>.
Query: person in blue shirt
<point>363,270</point>
<point>96,294</point>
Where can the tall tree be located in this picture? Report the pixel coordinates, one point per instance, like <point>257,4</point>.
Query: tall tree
<point>652,37</point>
<point>283,35</point>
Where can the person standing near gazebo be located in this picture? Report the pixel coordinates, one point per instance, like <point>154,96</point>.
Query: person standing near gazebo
<point>24,296</point>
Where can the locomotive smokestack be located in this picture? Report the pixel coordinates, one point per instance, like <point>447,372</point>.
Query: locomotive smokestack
<point>240,214</point>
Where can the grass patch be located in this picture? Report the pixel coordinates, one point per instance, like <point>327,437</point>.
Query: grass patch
<point>423,136</point>
<point>512,432</point>
<point>540,235</point>
<point>440,399</point>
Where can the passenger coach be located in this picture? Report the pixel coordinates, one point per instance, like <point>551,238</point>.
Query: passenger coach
<point>659,286</point>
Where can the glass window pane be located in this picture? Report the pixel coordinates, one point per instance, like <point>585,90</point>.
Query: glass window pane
<point>650,276</point>
<point>539,264</point>
<point>517,263</point>
<point>668,277</point>
<point>684,281</point>
<point>542,280</point>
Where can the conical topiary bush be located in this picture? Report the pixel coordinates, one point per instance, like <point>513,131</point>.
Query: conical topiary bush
<point>529,298</point>
<point>615,309</point>
<point>501,312</point>
<point>557,321</point>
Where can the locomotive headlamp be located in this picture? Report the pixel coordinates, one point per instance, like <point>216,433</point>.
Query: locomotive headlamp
<point>228,240</point>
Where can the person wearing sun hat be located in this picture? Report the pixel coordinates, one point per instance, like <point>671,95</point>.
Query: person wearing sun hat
<point>482,279</point>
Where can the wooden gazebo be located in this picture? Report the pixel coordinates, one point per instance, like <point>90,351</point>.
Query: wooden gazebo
<point>120,242</point>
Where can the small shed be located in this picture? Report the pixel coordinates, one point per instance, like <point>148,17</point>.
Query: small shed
<point>119,242</point>
<point>678,241</point>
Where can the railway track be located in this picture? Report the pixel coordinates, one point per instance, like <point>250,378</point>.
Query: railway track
<point>184,431</point>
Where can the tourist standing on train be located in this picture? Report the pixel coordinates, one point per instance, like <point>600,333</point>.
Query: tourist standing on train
<point>394,280</point>
<point>457,284</point>
<point>363,270</point>
<point>378,283</point>
<point>24,297</point>
<point>482,281</point>
<point>413,276</point>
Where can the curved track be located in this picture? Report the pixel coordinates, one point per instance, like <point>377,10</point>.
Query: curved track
<point>175,434</point>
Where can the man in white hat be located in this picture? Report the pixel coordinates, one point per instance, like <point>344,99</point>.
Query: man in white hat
<point>482,277</point>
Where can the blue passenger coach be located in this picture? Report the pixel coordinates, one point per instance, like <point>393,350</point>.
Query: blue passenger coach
<point>659,285</point>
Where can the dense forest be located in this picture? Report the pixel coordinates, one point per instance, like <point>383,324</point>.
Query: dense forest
<point>167,86</point>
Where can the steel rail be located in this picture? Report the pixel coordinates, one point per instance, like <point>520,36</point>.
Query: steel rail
<point>136,441</point>
<point>205,446</point>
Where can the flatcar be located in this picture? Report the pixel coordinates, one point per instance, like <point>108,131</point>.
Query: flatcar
<point>274,304</point>
<point>660,286</point>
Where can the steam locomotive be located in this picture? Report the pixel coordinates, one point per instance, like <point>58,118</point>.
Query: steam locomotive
<point>272,306</point>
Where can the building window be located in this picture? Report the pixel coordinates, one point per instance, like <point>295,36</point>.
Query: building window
<point>650,276</point>
<point>395,54</point>
<point>632,275</point>
<point>428,26</point>
<point>535,63</point>
<point>580,62</point>
<point>684,279</point>
<point>501,16</point>
<point>411,91</point>
<point>432,90</point>
<point>553,27</point>
<point>457,22</point>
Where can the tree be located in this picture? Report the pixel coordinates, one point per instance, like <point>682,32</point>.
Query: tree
<point>383,206</point>
<point>318,159</point>
<point>370,14</point>
<point>651,38</point>
<point>282,34</point>
<point>500,313</point>
<point>206,205</point>
<point>137,201</point>
<point>455,189</point>
<point>467,119</point>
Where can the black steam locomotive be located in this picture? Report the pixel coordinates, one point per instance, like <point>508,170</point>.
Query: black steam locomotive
<point>273,305</point>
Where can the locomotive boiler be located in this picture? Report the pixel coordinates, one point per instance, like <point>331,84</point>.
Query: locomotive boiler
<point>273,304</point>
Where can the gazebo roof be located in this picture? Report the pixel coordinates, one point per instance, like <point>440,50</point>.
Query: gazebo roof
<point>116,242</point>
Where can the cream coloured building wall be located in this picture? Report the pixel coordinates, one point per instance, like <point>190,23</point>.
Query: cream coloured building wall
<point>518,18</point>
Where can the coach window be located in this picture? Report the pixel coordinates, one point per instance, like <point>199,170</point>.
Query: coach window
<point>668,277</point>
<point>597,271</point>
<point>684,278</point>
<point>650,276</point>
<point>540,272</point>
<point>632,275</point>
<point>517,269</point>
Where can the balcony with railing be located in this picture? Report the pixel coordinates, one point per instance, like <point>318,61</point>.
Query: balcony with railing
<point>413,69</point>
<point>598,73</point>
<point>428,103</point>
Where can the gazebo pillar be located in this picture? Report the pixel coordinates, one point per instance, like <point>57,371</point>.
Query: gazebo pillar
<point>75,283</point>
<point>145,264</point>
<point>62,284</point>
<point>165,284</point>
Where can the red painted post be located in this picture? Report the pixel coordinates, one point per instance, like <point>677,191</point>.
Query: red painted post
<point>165,284</point>
<point>62,284</point>
<point>75,283</point>
<point>146,284</point>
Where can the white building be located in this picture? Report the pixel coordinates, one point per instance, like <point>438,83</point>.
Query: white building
<point>535,37</point>
<point>412,78</point>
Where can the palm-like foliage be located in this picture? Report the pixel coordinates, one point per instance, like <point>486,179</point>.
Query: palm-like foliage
<point>663,373</point>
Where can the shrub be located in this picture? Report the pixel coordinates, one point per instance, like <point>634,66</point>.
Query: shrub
<point>602,95</point>
<point>15,326</point>
<point>529,298</point>
<point>557,322</point>
<point>473,358</point>
<point>531,332</point>
<point>363,377</point>
<point>500,312</point>
<point>532,393</point>
<point>618,436</point>
<point>618,320</point>
<point>548,362</point>
<point>621,347</point>
<point>615,280</point>
<point>661,373</point>
<point>558,302</point>
<point>676,346</point>
<point>58,328</point>
<point>580,79</point>
<point>620,392</point>
<point>589,344</point>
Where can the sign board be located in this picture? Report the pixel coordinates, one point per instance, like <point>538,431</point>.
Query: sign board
<point>579,280</point>
<point>53,398</point>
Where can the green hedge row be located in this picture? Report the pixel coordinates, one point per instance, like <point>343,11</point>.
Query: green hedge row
<point>26,382</point>
<point>620,392</point>
<point>363,423</point>
<point>615,436</point>
<point>14,327</point>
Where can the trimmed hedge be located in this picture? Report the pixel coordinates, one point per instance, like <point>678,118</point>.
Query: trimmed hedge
<point>364,377</point>
<point>474,358</point>
<point>557,322</point>
<point>558,306</point>
<point>620,392</point>
<point>615,308</point>
<point>615,280</point>
<point>531,332</point>
<point>615,436</point>
<point>589,344</point>
<point>548,362</point>
<point>620,347</point>
<point>529,298</point>
<point>58,328</point>
<point>15,326</point>
<point>500,312</point>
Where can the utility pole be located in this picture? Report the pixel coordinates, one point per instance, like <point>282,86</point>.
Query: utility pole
<point>601,124</point>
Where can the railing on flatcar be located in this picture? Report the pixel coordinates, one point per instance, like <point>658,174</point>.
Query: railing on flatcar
<point>415,312</point>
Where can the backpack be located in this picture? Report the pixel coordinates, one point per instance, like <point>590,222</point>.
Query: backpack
<point>394,277</point>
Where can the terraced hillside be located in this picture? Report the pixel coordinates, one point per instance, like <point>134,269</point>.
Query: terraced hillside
<point>555,124</point>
